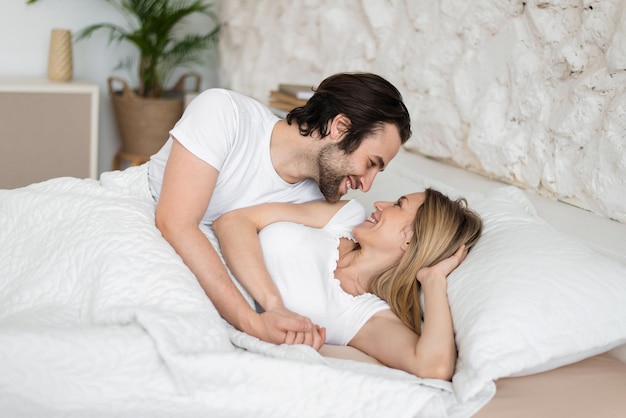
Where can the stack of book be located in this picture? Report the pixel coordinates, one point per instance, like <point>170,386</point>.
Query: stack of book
<point>289,96</point>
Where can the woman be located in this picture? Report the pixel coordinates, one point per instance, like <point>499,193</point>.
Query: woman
<point>359,278</point>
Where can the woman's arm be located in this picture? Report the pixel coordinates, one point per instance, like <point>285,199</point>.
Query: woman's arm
<point>431,355</point>
<point>188,185</point>
<point>237,232</point>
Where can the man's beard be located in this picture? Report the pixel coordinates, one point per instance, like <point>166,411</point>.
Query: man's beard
<point>331,174</point>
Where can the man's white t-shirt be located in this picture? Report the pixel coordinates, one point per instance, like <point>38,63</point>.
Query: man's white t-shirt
<point>302,261</point>
<point>231,132</point>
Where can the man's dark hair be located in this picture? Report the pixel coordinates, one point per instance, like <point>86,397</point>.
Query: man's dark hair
<point>368,100</point>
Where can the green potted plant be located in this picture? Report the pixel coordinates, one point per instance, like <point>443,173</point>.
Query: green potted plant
<point>144,115</point>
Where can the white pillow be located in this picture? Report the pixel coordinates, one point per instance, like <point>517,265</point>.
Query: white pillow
<point>529,298</point>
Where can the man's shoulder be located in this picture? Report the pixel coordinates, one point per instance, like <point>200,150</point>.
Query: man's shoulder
<point>231,105</point>
<point>219,93</point>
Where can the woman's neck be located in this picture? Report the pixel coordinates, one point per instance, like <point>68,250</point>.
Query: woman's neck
<point>355,269</point>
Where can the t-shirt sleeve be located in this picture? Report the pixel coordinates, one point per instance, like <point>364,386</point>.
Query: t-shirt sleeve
<point>349,216</point>
<point>361,310</point>
<point>208,127</point>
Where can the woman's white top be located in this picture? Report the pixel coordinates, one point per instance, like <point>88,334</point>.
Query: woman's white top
<point>302,261</point>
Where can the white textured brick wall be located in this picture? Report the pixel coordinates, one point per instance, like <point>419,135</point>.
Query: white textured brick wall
<point>529,92</point>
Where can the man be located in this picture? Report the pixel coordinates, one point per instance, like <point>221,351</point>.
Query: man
<point>229,151</point>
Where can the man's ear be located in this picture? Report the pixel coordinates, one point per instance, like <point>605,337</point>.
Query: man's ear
<point>338,127</point>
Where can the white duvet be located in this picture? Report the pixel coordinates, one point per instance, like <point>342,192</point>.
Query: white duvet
<point>100,317</point>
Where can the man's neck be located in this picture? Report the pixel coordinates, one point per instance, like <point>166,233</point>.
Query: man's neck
<point>293,156</point>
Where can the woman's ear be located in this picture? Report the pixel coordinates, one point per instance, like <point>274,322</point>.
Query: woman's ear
<point>407,234</point>
<point>338,127</point>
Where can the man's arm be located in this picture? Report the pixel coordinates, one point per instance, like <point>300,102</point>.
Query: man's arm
<point>188,185</point>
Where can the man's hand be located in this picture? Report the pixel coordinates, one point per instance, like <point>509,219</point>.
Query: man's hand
<point>279,325</point>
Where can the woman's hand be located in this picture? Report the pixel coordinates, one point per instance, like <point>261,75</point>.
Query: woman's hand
<point>314,338</point>
<point>443,268</point>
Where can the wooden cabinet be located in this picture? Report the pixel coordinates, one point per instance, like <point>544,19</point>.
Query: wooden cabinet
<point>47,129</point>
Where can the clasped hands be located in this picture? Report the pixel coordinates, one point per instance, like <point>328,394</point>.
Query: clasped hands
<point>279,325</point>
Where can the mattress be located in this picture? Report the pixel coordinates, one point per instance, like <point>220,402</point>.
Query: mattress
<point>594,387</point>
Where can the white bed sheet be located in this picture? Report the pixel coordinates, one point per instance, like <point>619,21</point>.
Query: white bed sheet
<point>100,317</point>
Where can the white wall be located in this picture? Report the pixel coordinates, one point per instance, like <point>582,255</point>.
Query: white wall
<point>24,40</point>
<point>530,92</point>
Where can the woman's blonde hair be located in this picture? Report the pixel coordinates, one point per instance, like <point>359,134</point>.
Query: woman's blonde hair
<point>441,226</point>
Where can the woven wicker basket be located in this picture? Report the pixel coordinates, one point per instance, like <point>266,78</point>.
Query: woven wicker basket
<point>144,122</point>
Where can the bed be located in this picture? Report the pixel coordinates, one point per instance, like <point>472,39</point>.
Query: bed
<point>100,317</point>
